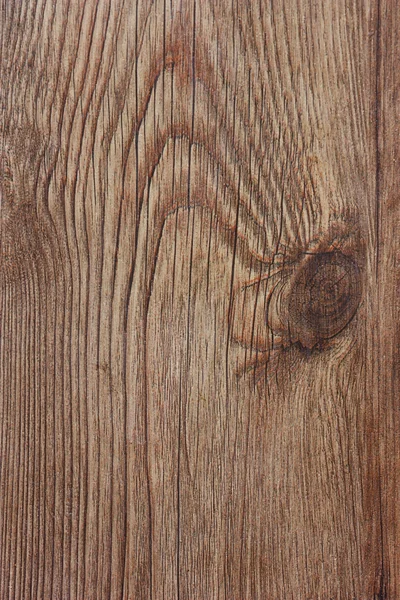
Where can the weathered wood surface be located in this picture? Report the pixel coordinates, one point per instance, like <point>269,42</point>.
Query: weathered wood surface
<point>199,300</point>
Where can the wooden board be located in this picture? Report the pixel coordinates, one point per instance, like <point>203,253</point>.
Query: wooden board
<point>199,300</point>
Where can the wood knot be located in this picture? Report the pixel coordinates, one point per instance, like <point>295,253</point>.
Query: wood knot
<point>305,300</point>
<point>322,297</point>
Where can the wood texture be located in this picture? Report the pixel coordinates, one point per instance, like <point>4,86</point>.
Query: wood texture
<point>199,300</point>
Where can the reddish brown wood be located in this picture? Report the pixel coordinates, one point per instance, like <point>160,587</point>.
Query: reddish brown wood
<point>199,300</point>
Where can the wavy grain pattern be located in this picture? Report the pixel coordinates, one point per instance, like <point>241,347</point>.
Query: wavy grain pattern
<point>178,180</point>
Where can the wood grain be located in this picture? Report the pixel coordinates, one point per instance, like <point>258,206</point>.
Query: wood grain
<point>199,300</point>
<point>387,219</point>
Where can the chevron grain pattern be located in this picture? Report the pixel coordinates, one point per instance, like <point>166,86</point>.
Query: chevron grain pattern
<point>199,300</point>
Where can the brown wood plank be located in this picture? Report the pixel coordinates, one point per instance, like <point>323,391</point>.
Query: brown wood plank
<point>198,328</point>
<point>387,221</point>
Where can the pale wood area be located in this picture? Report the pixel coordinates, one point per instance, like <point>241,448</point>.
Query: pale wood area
<point>199,291</point>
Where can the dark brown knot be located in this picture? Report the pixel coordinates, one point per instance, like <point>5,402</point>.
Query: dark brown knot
<point>323,296</point>
<point>306,302</point>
